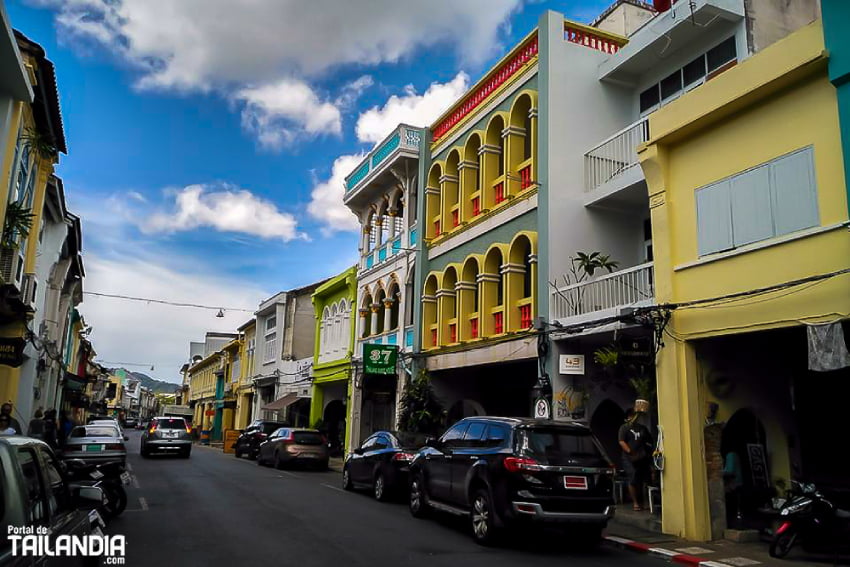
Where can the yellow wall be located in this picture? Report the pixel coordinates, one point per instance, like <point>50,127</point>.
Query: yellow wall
<point>778,101</point>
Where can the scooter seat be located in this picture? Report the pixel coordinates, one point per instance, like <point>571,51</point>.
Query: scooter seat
<point>843,514</point>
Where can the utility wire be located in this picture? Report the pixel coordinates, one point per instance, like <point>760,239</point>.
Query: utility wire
<point>164,302</point>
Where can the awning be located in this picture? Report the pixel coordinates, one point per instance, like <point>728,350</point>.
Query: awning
<point>283,403</point>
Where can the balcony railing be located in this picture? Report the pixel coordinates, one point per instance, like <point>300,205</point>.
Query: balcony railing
<point>404,137</point>
<point>632,286</point>
<point>615,155</point>
<point>593,38</point>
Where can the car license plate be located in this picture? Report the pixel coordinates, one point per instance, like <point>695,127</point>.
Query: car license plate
<point>125,477</point>
<point>575,482</point>
<point>94,447</point>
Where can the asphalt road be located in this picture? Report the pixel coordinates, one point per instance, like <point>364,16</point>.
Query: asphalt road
<point>215,510</point>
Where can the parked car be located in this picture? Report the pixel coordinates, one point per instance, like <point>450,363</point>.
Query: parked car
<point>108,421</point>
<point>381,463</point>
<point>130,422</point>
<point>143,424</point>
<point>167,435</point>
<point>36,492</point>
<point>248,442</point>
<point>290,446</point>
<point>500,472</point>
<point>96,443</point>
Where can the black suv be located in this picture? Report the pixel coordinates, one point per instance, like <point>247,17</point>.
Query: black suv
<point>502,471</point>
<point>248,442</point>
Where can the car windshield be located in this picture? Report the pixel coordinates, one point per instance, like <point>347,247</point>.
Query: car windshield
<point>94,431</point>
<point>171,424</point>
<point>270,427</point>
<point>562,447</point>
<point>307,438</point>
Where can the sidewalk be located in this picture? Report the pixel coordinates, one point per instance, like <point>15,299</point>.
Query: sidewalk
<point>335,464</point>
<point>720,553</point>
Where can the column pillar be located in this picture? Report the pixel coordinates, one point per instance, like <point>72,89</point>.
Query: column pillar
<point>429,317</point>
<point>388,313</point>
<point>490,156</point>
<point>364,324</point>
<point>468,171</point>
<point>375,307</point>
<point>379,234</point>
<point>514,137</point>
<point>464,296</point>
<point>432,213</point>
<point>512,292</point>
<point>448,187</point>
<point>488,284</point>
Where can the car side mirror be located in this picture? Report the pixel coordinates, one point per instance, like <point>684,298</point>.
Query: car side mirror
<point>88,497</point>
<point>432,442</point>
<point>358,451</point>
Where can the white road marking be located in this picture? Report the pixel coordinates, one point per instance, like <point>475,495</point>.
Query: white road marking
<point>135,482</point>
<point>129,467</point>
<point>338,489</point>
<point>143,503</point>
<point>293,475</point>
<point>694,550</point>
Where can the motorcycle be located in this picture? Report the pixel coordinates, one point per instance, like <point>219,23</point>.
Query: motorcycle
<point>110,476</point>
<point>811,520</point>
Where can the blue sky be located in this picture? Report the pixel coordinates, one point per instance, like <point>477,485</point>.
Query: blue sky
<point>207,144</point>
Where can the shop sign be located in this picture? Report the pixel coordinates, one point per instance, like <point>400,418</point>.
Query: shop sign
<point>636,348</point>
<point>542,409</point>
<point>572,364</point>
<point>12,351</point>
<point>380,359</point>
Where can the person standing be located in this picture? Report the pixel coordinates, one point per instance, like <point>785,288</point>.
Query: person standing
<point>36,426</point>
<point>6,409</point>
<point>636,443</point>
<point>6,428</point>
<point>66,424</point>
<point>50,428</point>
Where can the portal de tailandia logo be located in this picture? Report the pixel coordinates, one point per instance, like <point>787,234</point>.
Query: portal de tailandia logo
<point>36,541</point>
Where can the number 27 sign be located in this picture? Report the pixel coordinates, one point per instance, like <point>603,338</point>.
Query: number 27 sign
<point>380,359</point>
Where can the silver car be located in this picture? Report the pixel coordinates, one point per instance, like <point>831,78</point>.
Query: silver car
<point>96,443</point>
<point>167,435</point>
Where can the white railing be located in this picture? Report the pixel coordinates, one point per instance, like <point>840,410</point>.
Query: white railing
<point>615,155</point>
<point>618,289</point>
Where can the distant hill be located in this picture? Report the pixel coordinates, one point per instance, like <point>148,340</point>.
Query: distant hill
<point>155,385</point>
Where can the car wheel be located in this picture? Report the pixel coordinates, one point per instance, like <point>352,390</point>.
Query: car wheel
<point>346,479</point>
<point>186,454</point>
<point>380,488</point>
<point>144,453</point>
<point>782,543</point>
<point>259,460</point>
<point>483,526</point>
<point>418,502</point>
<point>237,452</point>
<point>278,464</point>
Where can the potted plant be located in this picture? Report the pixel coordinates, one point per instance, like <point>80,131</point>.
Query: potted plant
<point>644,387</point>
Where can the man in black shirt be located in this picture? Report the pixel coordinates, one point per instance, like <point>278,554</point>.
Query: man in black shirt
<point>636,442</point>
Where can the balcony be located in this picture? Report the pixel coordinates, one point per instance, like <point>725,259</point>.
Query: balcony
<point>686,23</point>
<point>604,296</point>
<point>612,167</point>
<point>404,142</point>
<point>388,250</point>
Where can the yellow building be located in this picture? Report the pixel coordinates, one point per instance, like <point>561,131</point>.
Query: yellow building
<point>202,383</point>
<point>226,397</point>
<point>33,139</point>
<point>244,387</point>
<point>749,224</point>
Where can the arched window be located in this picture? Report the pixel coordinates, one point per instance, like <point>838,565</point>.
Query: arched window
<point>468,309</point>
<point>471,178</point>
<point>344,324</point>
<point>494,156</point>
<point>323,332</point>
<point>408,297</point>
<point>394,296</point>
<point>493,293</point>
<point>379,300</point>
<point>433,221</point>
<point>449,189</point>
<point>430,332</point>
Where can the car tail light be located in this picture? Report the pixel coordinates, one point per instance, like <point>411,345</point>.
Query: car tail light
<point>516,464</point>
<point>260,435</point>
<point>189,429</point>
<point>403,456</point>
<point>289,438</point>
<point>152,430</point>
<point>114,446</point>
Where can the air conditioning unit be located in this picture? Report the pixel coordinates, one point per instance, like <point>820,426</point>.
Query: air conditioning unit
<point>11,266</point>
<point>29,287</point>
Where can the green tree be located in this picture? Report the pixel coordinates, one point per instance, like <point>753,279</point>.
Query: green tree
<point>421,411</point>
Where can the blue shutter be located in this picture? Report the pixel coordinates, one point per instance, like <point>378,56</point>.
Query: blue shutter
<point>714,218</point>
<point>794,194</point>
<point>751,210</point>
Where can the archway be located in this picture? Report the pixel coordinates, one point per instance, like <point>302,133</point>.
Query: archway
<point>744,435</point>
<point>334,419</point>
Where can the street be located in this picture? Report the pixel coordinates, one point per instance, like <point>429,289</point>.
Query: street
<point>213,509</point>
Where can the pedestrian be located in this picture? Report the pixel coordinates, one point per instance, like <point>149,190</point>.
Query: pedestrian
<point>50,428</point>
<point>36,426</point>
<point>6,409</point>
<point>6,428</point>
<point>66,424</point>
<point>636,442</point>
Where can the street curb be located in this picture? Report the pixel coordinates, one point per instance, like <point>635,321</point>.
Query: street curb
<point>668,554</point>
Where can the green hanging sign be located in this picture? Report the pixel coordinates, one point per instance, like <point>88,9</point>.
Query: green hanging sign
<point>380,359</point>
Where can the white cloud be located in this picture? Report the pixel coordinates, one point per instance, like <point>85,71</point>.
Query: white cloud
<point>411,108</point>
<point>201,44</point>
<point>278,113</point>
<point>225,208</point>
<point>352,91</point>
<point>150,333</point>
<point>326,198</point>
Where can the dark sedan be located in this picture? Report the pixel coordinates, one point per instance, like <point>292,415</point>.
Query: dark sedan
<point>249,440</point>
<point>381,463</point>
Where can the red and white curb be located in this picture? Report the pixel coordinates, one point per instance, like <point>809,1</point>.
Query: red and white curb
<point>668,554</point>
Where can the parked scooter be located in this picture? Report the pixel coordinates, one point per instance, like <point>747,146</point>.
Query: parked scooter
<point>812,521</point>
<point>110,476</point>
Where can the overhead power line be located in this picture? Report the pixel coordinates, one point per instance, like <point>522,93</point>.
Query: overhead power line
<point>165,302</point>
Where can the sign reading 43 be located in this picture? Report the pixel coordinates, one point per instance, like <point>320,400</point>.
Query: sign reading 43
<point>380,359</point>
